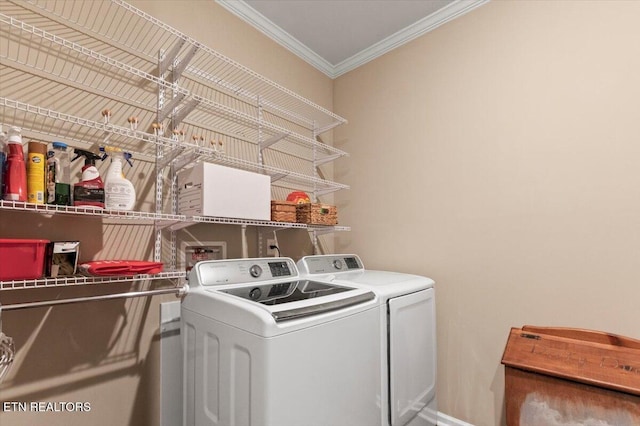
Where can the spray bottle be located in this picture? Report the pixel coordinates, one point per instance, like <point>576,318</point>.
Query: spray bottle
<point>89,192</point>
<point>15,179</point>
<point>118,191</point>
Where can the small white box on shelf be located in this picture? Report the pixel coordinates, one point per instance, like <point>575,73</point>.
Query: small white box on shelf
<point>212,190</point>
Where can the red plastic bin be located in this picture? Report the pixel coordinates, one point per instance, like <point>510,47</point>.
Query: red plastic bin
<point>21,259</point>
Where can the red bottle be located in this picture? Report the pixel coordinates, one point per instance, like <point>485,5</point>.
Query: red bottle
<point>15,180</point>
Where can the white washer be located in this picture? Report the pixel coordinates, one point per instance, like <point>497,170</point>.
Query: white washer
<point>408,334</point>
<point>264,347</point>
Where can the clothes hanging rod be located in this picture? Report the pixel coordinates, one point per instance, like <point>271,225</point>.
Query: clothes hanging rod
<point>179,290</point>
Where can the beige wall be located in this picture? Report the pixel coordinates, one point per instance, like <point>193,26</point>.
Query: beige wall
<point>499,155</point>
<point>107,353</point>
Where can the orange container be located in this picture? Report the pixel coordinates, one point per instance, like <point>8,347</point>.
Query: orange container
<point>22,259</point>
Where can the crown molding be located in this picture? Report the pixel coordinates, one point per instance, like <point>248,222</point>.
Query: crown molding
<point>267,27</point>
<point>423,26</point>
<point>405,35</point>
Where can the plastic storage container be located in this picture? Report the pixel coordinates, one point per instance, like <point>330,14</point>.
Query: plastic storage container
<point>22,259</point>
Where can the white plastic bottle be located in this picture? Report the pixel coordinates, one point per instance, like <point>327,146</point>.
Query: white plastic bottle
<point>119,192</point>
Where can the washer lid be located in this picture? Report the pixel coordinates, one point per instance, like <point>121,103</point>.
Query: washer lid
<point>347,269</point>
<point>283,293</point>
<point>268,320</point>
<point>267,297</point>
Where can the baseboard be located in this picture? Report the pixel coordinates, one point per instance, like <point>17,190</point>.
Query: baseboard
<point>445,420</point>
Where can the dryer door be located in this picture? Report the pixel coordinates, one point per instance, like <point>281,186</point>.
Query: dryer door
<point>412,355</point>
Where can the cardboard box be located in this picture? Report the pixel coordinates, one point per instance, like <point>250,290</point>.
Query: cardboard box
<point>212,190</point>
<point>62,258</point>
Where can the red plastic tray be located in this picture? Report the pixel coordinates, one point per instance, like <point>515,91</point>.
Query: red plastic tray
<point>21,259</point>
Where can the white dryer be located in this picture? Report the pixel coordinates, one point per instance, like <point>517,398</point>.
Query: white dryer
<point>264,347</point>
<point>407,333</point>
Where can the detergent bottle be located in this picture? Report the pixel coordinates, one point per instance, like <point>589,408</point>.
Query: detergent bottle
<point>89,192</point>
<point>15,178</point>
<point>119,191</point>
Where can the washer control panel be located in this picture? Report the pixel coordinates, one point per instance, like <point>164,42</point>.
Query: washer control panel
<point>242,271</point>
<point>327,264</point>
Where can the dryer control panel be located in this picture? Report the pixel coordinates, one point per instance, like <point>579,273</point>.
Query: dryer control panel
<point>330,264</point>
<point>242,271</point>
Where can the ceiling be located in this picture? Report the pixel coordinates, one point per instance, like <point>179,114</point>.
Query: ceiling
<point>337,36</point>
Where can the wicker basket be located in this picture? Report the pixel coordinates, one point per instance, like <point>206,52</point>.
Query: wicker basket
<point>283,211</point>
<point>317,214</point>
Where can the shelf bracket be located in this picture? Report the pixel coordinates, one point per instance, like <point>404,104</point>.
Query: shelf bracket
<point>172,225</point>
<point>328,127</point>
<point>168,108</point>
<point>182,65</point>
<point>272,140</point>
<point>170,156</point>
<point>277,176</point>
<point>180,225</point>
<point>328,159</point>
<point>167,59</point>
<point>322,231</point>
<point>182,113</point>
<point>321,192</point>
<point>183,161</point>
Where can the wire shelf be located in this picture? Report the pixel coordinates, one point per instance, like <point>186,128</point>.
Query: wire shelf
<point>78,131</point>
<point>86,280</point>
<point>171,221</point>
<point>294,179</point>
<point>159,218</point>
<point>229,75</point>
<point>92,67</point>
<point>259,223</point>
<point>81,132</point>
<point>118,58</point>
<point>230,221</point>
<point>328,228</point>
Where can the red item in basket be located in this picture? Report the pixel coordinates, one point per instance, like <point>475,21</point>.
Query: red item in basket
<point>120,267</point>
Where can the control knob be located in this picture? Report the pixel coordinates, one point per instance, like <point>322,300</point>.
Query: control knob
<point>337,264</point>
<point>255,271</point>
<point>255,293</point>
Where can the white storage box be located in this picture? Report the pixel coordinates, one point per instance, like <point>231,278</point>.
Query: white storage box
<point>212,190</point>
